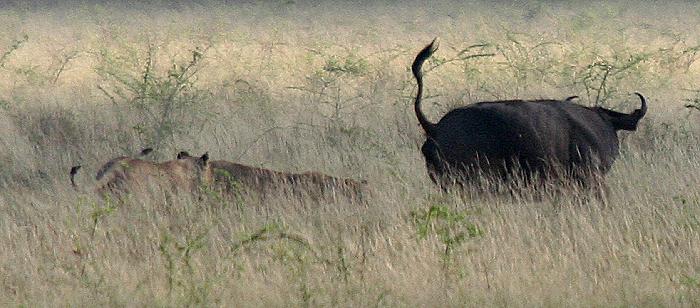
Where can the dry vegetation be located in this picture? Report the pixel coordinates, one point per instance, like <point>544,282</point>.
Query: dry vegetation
<point>326,87</point>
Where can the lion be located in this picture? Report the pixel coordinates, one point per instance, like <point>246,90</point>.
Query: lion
<point>125,174</point>
<point>232,178</point>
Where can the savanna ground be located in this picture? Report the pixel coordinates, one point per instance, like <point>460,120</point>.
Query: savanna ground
<point>301,86</point>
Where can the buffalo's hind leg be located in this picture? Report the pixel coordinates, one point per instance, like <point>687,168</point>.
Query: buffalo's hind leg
<point>592,185</point>
<point>437,169</point>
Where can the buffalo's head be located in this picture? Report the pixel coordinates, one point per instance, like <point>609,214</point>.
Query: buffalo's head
<point>624,121</point>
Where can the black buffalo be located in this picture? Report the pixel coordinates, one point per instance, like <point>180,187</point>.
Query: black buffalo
<point>542,139</point>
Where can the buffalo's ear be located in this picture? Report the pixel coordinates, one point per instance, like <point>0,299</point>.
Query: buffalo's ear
<point>182,154</point>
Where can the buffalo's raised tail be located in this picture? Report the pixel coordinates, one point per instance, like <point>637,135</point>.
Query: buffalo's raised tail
<point>418,74</point>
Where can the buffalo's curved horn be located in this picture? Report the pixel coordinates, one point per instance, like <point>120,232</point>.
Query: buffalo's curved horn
<point>643,109</point>
<point>629,121</point>
<point>626,121</point>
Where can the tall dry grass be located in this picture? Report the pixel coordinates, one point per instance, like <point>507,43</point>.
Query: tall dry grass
<point>301,86</point>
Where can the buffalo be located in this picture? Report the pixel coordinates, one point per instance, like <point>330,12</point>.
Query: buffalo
<point>527,139</point>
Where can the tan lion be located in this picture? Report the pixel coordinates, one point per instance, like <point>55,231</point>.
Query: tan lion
<point>233,178</point>
<point>130,175</point>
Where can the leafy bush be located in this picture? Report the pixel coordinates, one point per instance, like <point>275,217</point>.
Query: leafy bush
<point>168,103</point>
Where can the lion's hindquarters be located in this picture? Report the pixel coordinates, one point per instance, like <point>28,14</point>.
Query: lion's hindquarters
<point>325,186</point>
<point>235,179</point>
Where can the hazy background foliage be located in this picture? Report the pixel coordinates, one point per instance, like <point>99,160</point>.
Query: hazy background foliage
<point>315,85</point>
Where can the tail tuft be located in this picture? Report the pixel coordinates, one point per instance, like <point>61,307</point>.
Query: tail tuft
<point>423,55</point>
<point>73,172</point>
<point>418,74</point>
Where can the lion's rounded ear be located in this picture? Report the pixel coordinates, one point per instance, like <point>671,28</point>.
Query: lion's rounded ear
<point>205,158</point>
<point>182,154</point>
<point>146,151</point>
